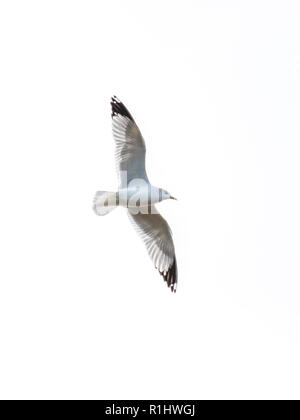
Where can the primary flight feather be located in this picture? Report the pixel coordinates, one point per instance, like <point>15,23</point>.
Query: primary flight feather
<point>137,195</point>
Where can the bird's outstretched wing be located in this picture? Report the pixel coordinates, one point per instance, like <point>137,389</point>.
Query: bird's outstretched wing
<point>157,236</point>
<point>130,145</point>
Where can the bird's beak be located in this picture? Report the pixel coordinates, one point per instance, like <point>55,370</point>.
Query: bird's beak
<point>173,198</point>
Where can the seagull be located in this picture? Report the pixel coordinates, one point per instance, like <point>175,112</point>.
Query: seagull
<point>137,195</point>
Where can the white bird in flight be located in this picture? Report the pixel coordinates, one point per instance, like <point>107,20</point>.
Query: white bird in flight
<point>137,194</point>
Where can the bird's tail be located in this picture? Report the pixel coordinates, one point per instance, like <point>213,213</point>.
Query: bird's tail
<point>104,202</point>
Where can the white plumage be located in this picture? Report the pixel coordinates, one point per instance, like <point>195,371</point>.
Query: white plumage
<point>138,195</point>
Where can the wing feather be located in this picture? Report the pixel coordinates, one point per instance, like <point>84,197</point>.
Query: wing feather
<point>130,146</point>
<point>157,236</point>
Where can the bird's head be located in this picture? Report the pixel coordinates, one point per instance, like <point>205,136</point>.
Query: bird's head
<point>164,195</point>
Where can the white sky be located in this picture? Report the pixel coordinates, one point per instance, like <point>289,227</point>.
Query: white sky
<point>214,87</point>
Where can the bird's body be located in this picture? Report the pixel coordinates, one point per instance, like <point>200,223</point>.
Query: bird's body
<point>137,195</point>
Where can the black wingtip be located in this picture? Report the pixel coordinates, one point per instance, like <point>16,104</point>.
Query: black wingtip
<point>171,276</point>
<point>118,108</point>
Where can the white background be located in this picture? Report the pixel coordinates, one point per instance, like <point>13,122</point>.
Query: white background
<point>215,89</point>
